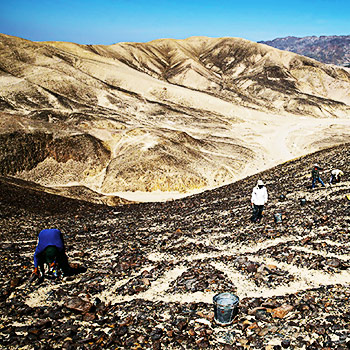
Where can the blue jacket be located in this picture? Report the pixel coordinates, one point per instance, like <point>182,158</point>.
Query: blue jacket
<point>47,237</point>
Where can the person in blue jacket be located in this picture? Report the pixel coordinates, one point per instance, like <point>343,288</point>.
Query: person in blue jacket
<point>50,250</point>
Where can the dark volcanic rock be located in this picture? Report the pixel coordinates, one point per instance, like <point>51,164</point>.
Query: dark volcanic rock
<point>79,305</point>
<point>140,289</point>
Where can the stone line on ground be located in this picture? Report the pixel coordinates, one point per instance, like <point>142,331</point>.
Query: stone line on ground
<point>320,252</point>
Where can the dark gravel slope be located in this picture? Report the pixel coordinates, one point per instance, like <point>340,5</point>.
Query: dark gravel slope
<point>152,269</point>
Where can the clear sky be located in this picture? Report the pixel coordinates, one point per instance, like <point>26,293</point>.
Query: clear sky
<point>111,21</point>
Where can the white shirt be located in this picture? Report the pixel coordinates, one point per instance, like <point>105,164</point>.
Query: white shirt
<point>259,195</point>
<point>337,172</point>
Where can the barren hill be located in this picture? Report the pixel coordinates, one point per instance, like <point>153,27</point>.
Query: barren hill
<point>168,115</point>
<point>334,49</point>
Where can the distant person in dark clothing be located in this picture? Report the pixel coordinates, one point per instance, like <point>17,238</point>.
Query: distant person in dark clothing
<point>315,174</point>
<point>336,174</point>
<point>50,250</point>
<point>259,199</point>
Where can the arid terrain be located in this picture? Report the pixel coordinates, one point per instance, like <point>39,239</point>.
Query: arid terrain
<point>333,49</point>
<point>87,132</point>
<point>164,118</point>
<point>153,268</point>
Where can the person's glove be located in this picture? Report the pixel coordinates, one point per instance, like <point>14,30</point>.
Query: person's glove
<point>36,273</point>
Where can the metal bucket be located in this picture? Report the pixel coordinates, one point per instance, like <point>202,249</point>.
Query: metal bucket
<point>302,201</point>
<point>225,308</point>
<point>278,218</point>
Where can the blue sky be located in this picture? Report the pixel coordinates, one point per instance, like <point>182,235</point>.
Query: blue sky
<point>111,21</point>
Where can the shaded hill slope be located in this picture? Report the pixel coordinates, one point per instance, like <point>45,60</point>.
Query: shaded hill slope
<point>327,49</point>
<point>154,268</point>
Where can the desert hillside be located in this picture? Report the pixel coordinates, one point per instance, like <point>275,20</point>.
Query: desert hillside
<point>168,115</point>
<point>153,269</point>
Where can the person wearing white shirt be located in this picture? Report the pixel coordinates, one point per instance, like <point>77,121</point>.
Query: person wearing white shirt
<point>258,200</point>
<point>335,176</point>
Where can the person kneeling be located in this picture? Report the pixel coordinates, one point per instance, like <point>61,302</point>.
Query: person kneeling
<point>50,250</point>
<point>336,174</point>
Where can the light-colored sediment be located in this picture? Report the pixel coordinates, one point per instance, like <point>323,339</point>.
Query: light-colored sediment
<point>160,288</point>
<point>168,118</point>
<point>304,278</point>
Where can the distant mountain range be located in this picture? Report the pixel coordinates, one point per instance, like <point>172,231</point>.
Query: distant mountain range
<point>327,49</point>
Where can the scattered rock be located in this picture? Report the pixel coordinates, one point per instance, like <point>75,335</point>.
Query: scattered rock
<point>79,305</point>
<point>150,267</point>
<point>282,311</point>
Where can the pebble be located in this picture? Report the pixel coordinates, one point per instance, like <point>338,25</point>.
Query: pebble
<point>282,311</point>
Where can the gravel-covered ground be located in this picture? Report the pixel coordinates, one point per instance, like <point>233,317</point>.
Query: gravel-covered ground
<point>153,269</point>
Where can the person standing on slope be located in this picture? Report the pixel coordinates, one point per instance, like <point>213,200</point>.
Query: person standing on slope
<point>315,174</point>
<point>259,199</point>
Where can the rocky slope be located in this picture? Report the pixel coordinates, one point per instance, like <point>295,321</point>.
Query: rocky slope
<point>327,49</point>
<point>153,269</point>
<point>169,115</point>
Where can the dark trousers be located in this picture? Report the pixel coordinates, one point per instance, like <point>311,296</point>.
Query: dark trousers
<point>257,213</point>
<point>334,179</point>
<point>315,179</point>
<point>52,254</point>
